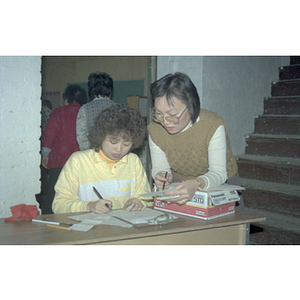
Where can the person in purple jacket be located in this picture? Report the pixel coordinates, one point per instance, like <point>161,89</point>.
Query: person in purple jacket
<point>59,138</point>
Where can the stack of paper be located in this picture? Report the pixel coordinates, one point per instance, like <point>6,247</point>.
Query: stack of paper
<point>116,217</point>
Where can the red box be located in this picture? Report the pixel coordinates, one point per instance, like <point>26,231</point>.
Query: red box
<point>196,211</point>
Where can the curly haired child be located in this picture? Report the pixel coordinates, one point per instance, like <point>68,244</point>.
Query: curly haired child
<point>110,167</point>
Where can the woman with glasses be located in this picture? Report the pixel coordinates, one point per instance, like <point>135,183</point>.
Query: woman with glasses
<point>187,144</point>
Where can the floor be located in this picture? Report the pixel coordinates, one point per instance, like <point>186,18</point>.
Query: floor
<point>278,229</point>
<point>272,236</point>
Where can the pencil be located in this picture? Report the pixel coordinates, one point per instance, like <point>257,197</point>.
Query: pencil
<point>164,181</point>
<point>59,227</point>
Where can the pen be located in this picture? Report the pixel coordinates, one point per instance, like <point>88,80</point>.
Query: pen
<point>99,196</point>
<point>59,227</point>
<point>164,181</point>
<point>97,193</point>
<point>47,221</point>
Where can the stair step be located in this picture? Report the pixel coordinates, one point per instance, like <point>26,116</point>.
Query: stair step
<point>273,187</point>
<point>277,124</point>
<point>294,60</point>
<point>271,169</point>
<point>273,145</point>
<point>277,197</point>
<point>289,72</point>
<point>286,88</point>
<point>271,159</point>
<point>289,105</point>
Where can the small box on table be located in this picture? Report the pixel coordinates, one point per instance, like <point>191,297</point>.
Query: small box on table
<point>204,205</point>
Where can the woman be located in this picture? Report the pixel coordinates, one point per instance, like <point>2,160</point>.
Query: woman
<point>100,86</point>
<point>59,138</point>
<point>187,144</point>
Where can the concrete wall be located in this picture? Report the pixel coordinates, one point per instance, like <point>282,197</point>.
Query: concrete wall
<point>234,87</point>
<point>20,120</point>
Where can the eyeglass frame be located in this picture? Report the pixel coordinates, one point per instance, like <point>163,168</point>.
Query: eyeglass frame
<point>163,118</point>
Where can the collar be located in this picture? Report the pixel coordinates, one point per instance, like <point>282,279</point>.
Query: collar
<point>107,159</point>
<point>101,98</point>
<point>189,125</point>
<point>74,104</point>
<point>96,158</point>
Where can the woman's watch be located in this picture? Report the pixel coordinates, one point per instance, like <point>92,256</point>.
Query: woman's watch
<point>199,183</point>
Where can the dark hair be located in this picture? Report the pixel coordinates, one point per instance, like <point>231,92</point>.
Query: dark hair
<point>74,93</point>
<point>180,86</point>
<point>100,84</point>
<point>121,120</point>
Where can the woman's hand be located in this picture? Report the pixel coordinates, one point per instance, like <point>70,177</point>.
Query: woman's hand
<point>160,179</point>
<point>137,204</point>
<point>186,190</point>
<point>101,206</point>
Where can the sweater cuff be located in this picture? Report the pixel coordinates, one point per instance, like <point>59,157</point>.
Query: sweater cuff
<point>159,171</point>
<point>45,151</point>
<point>206,182</point>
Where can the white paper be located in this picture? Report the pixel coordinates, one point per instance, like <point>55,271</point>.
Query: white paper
<point>141,216</point>
<point>161,193</point>
<point>116,222</point>
<point>114,218</point>
<point>83,226</point>
<point>225,187</point>
<point>90,216</point>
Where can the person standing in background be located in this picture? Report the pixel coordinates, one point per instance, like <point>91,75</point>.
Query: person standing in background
<point>100,86</point>
<point>59,138</point>
<point>46,111</point>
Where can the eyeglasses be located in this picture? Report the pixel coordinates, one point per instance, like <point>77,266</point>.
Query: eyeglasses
<point>157,117</point>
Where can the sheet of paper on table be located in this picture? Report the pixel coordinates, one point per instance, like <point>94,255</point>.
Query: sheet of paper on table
<point>116,217</point>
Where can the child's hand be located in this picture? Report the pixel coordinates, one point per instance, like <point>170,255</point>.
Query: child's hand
<point>160,180</point>
<point>138,204</point>
<point>100,207</point>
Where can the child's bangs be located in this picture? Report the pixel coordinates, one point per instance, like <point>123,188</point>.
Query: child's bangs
<point>124,134</point>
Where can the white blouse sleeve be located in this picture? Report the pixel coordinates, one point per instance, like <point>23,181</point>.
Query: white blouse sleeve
<point>217,160</point>
<point>159,160</point>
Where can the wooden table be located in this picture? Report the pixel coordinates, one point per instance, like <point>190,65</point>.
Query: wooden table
<point>228,230</point>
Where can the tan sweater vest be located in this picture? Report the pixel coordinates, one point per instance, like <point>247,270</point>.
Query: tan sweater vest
<point>187,152</point>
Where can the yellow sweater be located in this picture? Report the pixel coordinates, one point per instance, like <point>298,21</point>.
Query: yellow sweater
<point>85,170</point>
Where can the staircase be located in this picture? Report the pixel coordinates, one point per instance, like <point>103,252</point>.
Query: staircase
<point>270,167</point>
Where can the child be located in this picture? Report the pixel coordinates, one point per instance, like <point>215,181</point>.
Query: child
<point>117,174</point>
